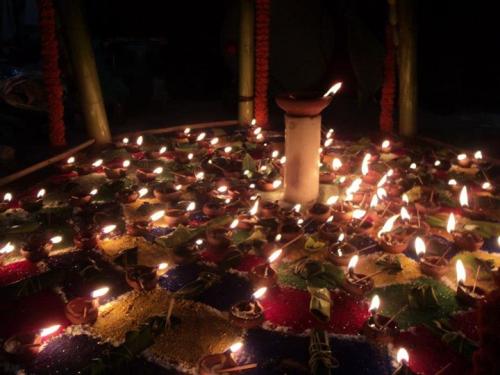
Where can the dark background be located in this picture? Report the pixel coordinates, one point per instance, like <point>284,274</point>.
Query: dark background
<point>165,63</point>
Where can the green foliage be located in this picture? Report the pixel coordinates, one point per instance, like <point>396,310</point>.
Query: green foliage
<point>317,275</point>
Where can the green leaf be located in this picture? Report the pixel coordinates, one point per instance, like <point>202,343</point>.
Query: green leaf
<point>414,193</point>
<point>247,163</point>
<point>313,244</point>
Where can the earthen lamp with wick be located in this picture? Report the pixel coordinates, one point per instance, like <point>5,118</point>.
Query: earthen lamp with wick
<point>302,142</point>
<point>378,328</point>
<point>5,250</point>
<point>470,295</point>
<point>392,243</point>
<point>356,283</point>
<point>84,310</point>
<point>369,176</point>
<point>466,239</point>
<point>248,314</point>
<point>32,203</point>
<point>39,246</point>
<point>248,220</point>
<point>403,359</point>
<point>6,202</point>
<point>430,265</point>
<point>26,345</point>
<point>223,363</point>
<point>264,274</point>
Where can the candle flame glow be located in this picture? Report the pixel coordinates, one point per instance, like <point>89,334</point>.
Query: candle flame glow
<point>187,131</point>
<point>222,189</point>
<point>255,208</point>
<point>8,248</point>
<point>97,163</point>
<point>333,90</point>
<point>437,163</point>
<point>405,215</point>
<point>157,215</point>
<point>353,262</point>
<point>126,163</point>
<point>253,122</point>
<point>125,140</point>
<point>381,193</point>
<point>41,193</point>
<point>452,182</point>
<point>486,185</point>
<point>70,160</point>
<point>201,136</point>
<point>257,131</point>
<point>283,160</point>
<point>49,330</point>
<point>451,224</point>
<point>56,239</point>
<point>143,191</point>
<point>375,303</point>
<point>108,228</point>
<point>358,213</point>
<point>336,164</point>
<point>355,185</point>
<point>464,198</point>
<point>374,201</point>
<point>461,157</point>
<point>190,156</point>
<point>139,140</point>
<point>228,149</point>
<point>297,207</point>
<point>259,293</point>
<point>383,180</point>
<point>158,170</point>
<point>277,238</point>
<point>7,197</point>
<point>275,154</point>
<point>234,223</point>
<point>200,175</point>
<point>478,155</point>
<point>162,150</point>
<point>328,142</point>
<point>413,166</point>
<point>275,255</point>
<point>100,292</point>
<point>191,206</point>
<point>403,357</point>
<point>460,269</point>
<point>332,199</point>
<point>419,246</point>
<point>388,225</point>
<point>405,198</point>
<point>214,141</point>
<point>364,164</point>
<point>386,144</point>
<point>330,219</point>
<point>236,347</point>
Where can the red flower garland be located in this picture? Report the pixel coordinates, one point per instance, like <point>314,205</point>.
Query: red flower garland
<point>389,86</point>
<point>51,72</point>
<point>262,22</point>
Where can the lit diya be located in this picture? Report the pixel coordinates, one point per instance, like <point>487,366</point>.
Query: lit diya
<point>26,345</point>
<point>156,153</point>
<point>467,240</point>
<point>138,228</point>
<point>430,265</point>
<point>68,166</point>
<point>142,278</point>
<point>403,359</point>
<point>268,209</point>
<point>5,203</point>
<point>378,328</point>
<point>248,314</point>
<point>84,310</point>
<point>223,363</point>
<point>268,184</point>
<point>393,243</point>
<point>32,203</point>
<point>167,192</point>
<point>130,195</point>
<point>290,229</point>
<point>356,283</point>
<point>213,208</point>
<point>341,252</point>
<point>39,246</point>
<point>264,274</point>
<point>319,212</point>
<point>369,176</point>
<point>82,198</point>
<point>470,295</point>
<point>148,175</point>
<point>115,172</point>
<point>329,230</point>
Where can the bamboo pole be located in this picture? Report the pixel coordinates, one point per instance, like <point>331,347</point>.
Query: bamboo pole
<point>407,69</point>
<point>85,71</point>
<point>246,62</point>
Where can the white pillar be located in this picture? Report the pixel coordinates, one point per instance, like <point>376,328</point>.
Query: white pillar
<point>302,143</point>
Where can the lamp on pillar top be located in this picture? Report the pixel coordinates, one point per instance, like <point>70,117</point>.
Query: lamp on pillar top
<point>302,143</point>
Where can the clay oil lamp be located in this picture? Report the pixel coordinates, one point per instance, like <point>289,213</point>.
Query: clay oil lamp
<point>248,314</point>
<point>134,147</point>
<point>223,363</point>
<point>148,175</point>
<point>470,295</point>
<point>32,203</point>
<point>26,345</point>
<point>464,240</point>
<point>454,185</point>
<point>6,201</point>
<point>130,195</point>
<point>342,211</point>
<point>319,212</point>
<point>81,198</point>
<point>391,242</point>
<point>268,184</point>
<point>115,172</point>
<point>68,166</point>
<point>247,221</point>
<point>361,223</point>
<point>138,228</point>
<point>109,232</point>
<point>268,209</point>
<point>329,230</point>
<point>463,160</point>
<point>222,192</point>
<point>356,283</point>
<point>175,216</point>
<point>442,165</point>
<point>341,252</point>
<point>161,152</point>
<point>183,136</point>
<point>38,247</point>
<point>142,278</point>
<point>122,143</point>
<point>290,229</point>
<point>474,213</point>
<point>385,146</point>
<point>369,176</point>
<point>264,274</point>
<point>167,192</point>
<point>5,250</point>
<point>430,265</point>
<point>213,208</point>
<point>187,178</point>
<point>403,359</point>
<point>378,328</point>
<point>84,310</point>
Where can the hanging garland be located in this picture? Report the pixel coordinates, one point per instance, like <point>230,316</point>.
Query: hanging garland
<point>51,72</point>
<point>262,22</point>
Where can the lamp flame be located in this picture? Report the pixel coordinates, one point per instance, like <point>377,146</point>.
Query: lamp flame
<point>187,131</point>
<point>333,90</point>
<point>228,149</point>
<point>386,144</point>
<point>236,347</point>
<point>214,141</point>
<point>364,164</point>
<point>108,228</point>
<point>388,225</point>
<point>234,223</point>
<point>257,131</point>
<point>405,198</point>
<point>353,262</point>
<point>383,180</point>
<point>461,157</point>
<point>201,136</point>
<point>253,122</point>
<point>190,156</point>
<point>451,224</point>
<point>355,185</point>
<point>222,189</point>
<point>158,170</point>
<point>157,215</point>
<point>413,166</point>
<point>283,160</point>
<point>330,219</point>
<point>162,150</point>
<point>142,192</point>
<point>381,193</point>
<point>7,197</point>
<point>328,142</point>
<point>255,208</point>
<point>277,238</point>
<point>276,184</point>
<point>460,269</point>
<point>403,357</point>
<point>374,304</point>
<point>478,155</point>
<point>49,330</point>
<point>70,160</point>
<point>125,140</point>
<point>100,292</point>
<point>191,206</point>
<point>464,198</point>
<point>405,216</point>
<point>56,239</point>
<point>332,200</point>
<point>358,213</point>
<point>8,248</point>
<point>452,182</point>
<point>275,255</point>
<point>126,163</point>
<point>275,154</point>
<point>336,164</point>
<point>419,246</point>
<point>200,175</point>
<point>97,163</point>
<point>41,193</point>
<point>374,201</point>
<point>139,140</point>
<point>260,292</point>
<point>486,185</point>
<point>297,207</point>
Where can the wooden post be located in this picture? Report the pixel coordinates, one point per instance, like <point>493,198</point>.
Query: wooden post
<point>407,69</point>
<point>246,62</point>
<point>85,71</point>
